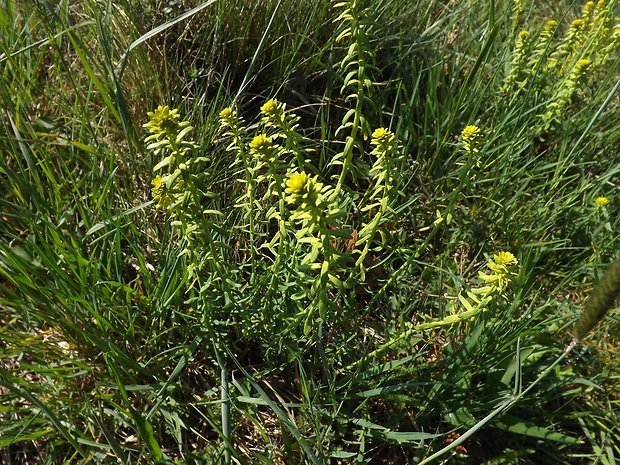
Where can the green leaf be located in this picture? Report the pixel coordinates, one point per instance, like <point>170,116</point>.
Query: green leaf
<point>401,437</point>
<point>460,417</point>
<point>518,426</point>
<point>165,162</point>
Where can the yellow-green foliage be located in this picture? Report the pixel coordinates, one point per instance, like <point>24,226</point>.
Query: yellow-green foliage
<point>302,228</point>
<point>278,186</point>
<point>556,65</point>
<point>502,268</point>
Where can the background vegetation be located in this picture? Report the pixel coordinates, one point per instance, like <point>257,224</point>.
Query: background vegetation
<point>120,341</point>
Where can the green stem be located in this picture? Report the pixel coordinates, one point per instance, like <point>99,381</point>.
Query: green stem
<point>292,143</point>
<point>502,407</point>
<point>283,249</point>
<point>225,407</point>
<point>450,320</point>
<point>250,185</point>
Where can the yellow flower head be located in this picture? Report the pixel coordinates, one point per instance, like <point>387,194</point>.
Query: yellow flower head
<point>551,24</point>
<point>601,201</point>
<point>385,144</point>
<point>304,190</point>
<point>470,132</point>
<point>381,136</point>
<point>582,66</point>
<point>523,34</point>
<point>505,259</point>
<point>577,24</point>
<point>261,144</point>
<point>296,183</point>
<point>273,109</point>
<point>164,121</point>
<point>227,117</point>
<point>226,113</point>
<point>501,266</point>
<point>470,136</point>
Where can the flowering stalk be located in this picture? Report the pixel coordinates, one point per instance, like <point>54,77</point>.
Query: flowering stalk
<point>601,229</point>
<point>267,154</point>
<point>232,123</point>
<point>518,65</point>
<point>314,215</point>
<point>611,49</point>
<point>565,93</point>
<point>180,195</point>
<point>542,46</point>
<point>600,25</point>
<point>358,60</point>
<point>586,17</point>
<point>470,140</point>
<point>502,270</point>
<point>518,6</point>
<point>383,174</point>
<point>286,124</point>
<point>566,48</point>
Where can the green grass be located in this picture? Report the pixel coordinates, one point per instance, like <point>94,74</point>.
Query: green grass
<point>126,340</point>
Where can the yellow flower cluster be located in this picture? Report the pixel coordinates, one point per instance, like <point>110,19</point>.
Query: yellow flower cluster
<point>273,109</point>
<point>470,138</point>
<point>261,145</point>
<point>601,201</point>
<point>226,113</point>
<point>381,136</point>
<point>304,190</point>
<point>383,140</point>
<point>502,260</point>
<point>581,67</point>
<point>502,269</point>
<point>230,119</point>
<point>164,121</point>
